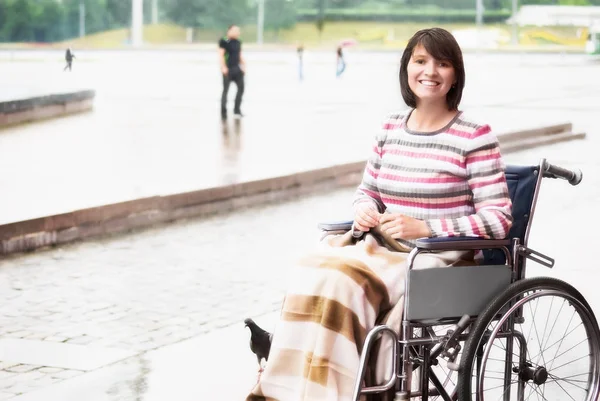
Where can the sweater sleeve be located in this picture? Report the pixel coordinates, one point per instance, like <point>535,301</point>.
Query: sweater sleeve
<point>487,182</point>
<point>367,190</point>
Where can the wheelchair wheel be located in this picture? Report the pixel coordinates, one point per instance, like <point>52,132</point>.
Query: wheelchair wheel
<point>538,340</point>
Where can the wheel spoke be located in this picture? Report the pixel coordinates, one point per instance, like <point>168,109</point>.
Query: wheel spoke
<point>537,391</point>
<point>566,392</point>
<point>537,334</point>
<point>570,381</point>
<point>531,327</point>
<point>563,337</point>
<point>530,390</point>
<point>553,325</point>
<point>562,353</point>
<point>574,360</point>
<point>558,341</point>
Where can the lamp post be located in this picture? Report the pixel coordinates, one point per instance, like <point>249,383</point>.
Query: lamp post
<point>479,13</point>
<point>478,21</point>
<point>81,19</point>
<point>260,28</point>
<point>515,30</point>
<point>137,22</point>
<point>155,11</point>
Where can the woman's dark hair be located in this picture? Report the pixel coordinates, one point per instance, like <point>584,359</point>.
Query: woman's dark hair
<point>442,46</point>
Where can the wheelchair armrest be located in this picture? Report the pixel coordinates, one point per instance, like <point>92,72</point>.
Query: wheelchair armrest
<point>460,243</point>
<point>343,225</point>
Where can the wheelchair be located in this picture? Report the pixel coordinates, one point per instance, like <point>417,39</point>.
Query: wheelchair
<point>486,332</point>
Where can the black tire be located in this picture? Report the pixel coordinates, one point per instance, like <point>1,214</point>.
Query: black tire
<point>478,330</point>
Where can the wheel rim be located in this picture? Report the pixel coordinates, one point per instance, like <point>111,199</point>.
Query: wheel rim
<point>556,359</point>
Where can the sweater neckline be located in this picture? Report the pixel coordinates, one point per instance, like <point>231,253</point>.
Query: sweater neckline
<point>443,129</point>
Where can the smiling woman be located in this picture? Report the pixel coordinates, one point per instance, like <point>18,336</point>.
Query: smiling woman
<point>433,172</point>
<point>432,71</point>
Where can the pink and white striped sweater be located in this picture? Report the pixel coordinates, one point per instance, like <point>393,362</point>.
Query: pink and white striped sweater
<point>452,178</point>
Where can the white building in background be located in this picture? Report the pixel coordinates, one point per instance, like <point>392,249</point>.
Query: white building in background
<point>584,16</point>
<point>580,16</point>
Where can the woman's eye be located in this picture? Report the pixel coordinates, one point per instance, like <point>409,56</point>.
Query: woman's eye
<point>420,61</point>
<point>444,64</point>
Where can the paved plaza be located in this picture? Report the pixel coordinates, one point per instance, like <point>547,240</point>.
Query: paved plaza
<point>156,129</point>
<point>157,314</point>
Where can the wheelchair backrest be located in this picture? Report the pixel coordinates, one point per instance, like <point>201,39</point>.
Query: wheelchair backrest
<point>521,181</point>
<point>443,293</point>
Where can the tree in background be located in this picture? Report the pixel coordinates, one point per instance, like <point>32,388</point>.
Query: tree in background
<point>17,26</point>
<point>49,21</point>
<point>279,14</point>
<point>321,7</point>
<point>97,18</point>
<point>206,13</point>
<point>119,13</point>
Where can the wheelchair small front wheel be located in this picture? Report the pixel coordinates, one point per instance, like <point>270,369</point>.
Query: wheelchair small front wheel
<point>539,339</point>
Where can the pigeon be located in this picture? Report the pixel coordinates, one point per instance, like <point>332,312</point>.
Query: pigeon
<point>260,341</point>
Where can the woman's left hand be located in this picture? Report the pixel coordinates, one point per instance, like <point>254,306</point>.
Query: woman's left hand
<point>399,226</point>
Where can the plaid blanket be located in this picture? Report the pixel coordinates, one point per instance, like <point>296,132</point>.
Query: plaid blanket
<point>335,296</point>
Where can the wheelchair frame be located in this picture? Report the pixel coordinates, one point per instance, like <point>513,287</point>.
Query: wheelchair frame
<point>421,350</point>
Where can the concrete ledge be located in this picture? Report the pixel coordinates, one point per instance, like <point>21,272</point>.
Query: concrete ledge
<point>126,216</point>
<point>121,217</point>
<point>37,108</point>
<point>535,137</point>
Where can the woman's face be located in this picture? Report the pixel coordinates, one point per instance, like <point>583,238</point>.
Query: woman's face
<point>428,78</point>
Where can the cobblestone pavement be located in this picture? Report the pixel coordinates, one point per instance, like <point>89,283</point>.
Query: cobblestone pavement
<point>157,287</point>
<point>154,288</point>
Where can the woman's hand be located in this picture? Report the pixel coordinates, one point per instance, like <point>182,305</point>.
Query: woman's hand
<point>366,216</point>
<point>399,226</point>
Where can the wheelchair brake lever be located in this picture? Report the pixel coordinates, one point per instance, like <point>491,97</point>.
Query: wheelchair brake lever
<point>452,346</point>
<point>461,326</point>
<point>536,256</point>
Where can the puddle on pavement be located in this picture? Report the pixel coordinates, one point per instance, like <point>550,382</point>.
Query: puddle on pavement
<point>218,365</point>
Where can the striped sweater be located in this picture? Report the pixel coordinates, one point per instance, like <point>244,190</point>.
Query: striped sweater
<point>453,178</point>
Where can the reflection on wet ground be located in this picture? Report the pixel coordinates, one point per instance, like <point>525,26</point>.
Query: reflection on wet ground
<point>218,365</point>
<point>232,132</point>
<point>155,126</point>
<point>179,279</point>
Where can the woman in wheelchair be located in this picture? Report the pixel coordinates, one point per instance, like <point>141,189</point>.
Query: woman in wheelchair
<point>433,172</point>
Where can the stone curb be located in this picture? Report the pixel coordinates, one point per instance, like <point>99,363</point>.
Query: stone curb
<point>121,217</point>
<point>42,107</point>
<point>125,216</point>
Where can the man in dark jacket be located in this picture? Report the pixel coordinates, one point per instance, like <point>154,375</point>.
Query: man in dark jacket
<point>233,68</point>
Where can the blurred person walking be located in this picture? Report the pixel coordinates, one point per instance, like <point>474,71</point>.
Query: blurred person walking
<point>233,68</point>
<point>340,62</point>
<point>301,61</point>
<point>69,56</point>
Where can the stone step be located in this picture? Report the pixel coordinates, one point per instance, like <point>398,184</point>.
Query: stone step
<point>25,106</point>
<point>541,140</point>
<point>537,132</point>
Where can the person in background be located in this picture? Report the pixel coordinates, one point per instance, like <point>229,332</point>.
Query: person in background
<point>233,68</point>
<point>301,61</point>
<point>69,56</point>
<point>340,62</point>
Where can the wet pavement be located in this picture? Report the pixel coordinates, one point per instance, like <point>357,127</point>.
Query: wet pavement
<point>156,129</point>
<point>174,297</point>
